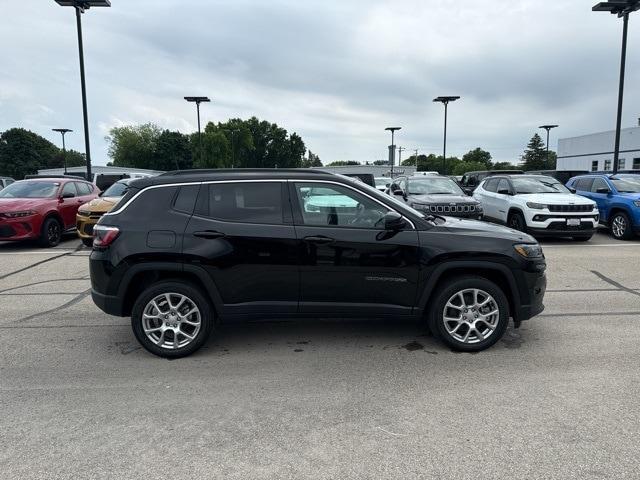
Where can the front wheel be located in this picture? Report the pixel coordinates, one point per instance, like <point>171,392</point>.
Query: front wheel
<point>51,233</point>
<point>517,222</point>
<point>469,313</point>
<point>621,226</point>
<point>172,319</point>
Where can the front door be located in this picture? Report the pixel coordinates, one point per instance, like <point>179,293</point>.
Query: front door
<point>69,206</point>
<point>348,262</point>
<point>601,199</point>
<point>242,234</point>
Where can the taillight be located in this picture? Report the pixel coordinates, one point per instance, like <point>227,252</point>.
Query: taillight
<point>104,236</point>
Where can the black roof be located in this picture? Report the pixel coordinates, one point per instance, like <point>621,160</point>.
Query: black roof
<point>189,176</point>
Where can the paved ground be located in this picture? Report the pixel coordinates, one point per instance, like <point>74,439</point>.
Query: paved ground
<point>556,399</point>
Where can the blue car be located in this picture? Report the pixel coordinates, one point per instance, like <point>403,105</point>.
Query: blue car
<point>618,199</point>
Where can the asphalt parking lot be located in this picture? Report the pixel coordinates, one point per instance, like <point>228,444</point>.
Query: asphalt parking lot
<point>557,398</point>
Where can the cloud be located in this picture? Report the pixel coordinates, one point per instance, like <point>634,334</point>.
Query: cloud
<point>335,72</point>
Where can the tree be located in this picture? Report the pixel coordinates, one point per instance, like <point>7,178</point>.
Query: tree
<point>432,163</point>
<point>505,166</point>
<point>313,160</point>
<point>384,162</point>
<point>343,163</point>
<point>23,152</point>
<point>535,156</point>
<point>478,156</point>
<point>172,151</point>
<point>134,146</point>
<point>463,167</point>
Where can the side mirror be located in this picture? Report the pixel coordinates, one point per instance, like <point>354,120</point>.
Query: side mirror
<point>603,190</point>
<point>504,191</point>
<point>572,190</point>
<point>67,195</point>
<point>399,192</point>
<point>394,221</point>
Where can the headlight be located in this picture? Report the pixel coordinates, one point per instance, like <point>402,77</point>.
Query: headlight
<point>636,203</point>
<point>536,206</point>
<point>529,250</point>
<point>84,213</point>
<point>421,206</point>
<point>25,213</point>
<point>478,207</point>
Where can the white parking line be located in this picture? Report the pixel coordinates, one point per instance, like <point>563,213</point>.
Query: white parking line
<point>608,245</point>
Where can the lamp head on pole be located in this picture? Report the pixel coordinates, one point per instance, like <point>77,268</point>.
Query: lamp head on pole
<point>617,7</point>
<point>446,99</point>
<point>61,130</point>
<point>197,100</point>
<point>83,4</point>
<point>548,127</point>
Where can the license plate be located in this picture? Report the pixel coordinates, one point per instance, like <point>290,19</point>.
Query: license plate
<point>573,222</point>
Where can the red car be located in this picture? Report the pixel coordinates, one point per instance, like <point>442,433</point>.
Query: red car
<point>42,208</point>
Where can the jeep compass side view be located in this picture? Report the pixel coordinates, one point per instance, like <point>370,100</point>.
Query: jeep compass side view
<point>184,251</point>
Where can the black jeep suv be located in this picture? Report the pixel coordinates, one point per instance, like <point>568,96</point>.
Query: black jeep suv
<point>181,252</point>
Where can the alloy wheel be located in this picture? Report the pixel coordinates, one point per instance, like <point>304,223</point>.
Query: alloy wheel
<point>619,226</point>
<point>471,316</point>
<point>53,233</point>
<point>171,320</point>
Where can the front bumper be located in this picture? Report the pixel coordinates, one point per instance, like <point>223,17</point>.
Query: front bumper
<point>85,225</point>
<point>536,286</point>
<point>545,224</point>
<point>23,228</point>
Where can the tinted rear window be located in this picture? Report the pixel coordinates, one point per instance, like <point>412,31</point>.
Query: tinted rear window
<point>250,202</point>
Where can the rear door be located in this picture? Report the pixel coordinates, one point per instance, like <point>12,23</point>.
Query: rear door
<point>242,234</point>
<point>348,263</point>
<point>601,199</point>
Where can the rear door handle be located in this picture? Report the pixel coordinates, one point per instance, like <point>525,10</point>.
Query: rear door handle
<point>319,240</point>
<point>209,234</point>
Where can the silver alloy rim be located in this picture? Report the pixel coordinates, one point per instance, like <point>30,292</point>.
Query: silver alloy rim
<point>471,316</point>
<point>171,320</point>
<point>619,226</point>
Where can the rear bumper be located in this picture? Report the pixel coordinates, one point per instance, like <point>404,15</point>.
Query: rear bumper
<point>109,304</point>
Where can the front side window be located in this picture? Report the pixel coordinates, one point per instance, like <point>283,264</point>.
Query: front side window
<point>334,205</point>
<point>503,186</point>
<point>246,202</point>
<point>434,186</point>
<point>597,184</point>
<point>69,189</point>
<point>491,185</point>
<point>26,189</point>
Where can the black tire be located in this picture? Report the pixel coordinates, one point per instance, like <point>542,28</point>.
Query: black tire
<point>87,242</point>
<point>583,238</point>
<point>195,295</point>
<point>620,226</point>
<point>51,233</point>
<point>517,222</point>
<point>441,297</point>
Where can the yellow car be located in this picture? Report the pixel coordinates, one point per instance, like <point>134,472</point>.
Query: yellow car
<point>89,213</point>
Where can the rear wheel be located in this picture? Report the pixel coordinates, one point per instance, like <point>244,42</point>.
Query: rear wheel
<point>517,222</point>
<point>621,226</point>
<point>469,313</point>
<point>172,319</point>
<point>51,233</point>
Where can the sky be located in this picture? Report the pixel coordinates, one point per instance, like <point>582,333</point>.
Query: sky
<point>335,72</point>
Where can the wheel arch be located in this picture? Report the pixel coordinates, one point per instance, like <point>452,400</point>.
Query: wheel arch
<point>498,273</point>
<point>141,276</point>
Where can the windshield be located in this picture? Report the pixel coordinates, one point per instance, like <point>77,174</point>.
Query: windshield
<point>627,184</point>
<point>30,190</point>
<point>434,186</point>
<point>524,185</point>
<point>118,189</point>
<point>382,182</point>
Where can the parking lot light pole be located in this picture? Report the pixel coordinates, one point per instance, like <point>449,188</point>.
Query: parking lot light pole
<point>445,101</point>
<point>392,148</point>
<point>80,6</point>
<point>64,149</point>
<point>622,8</point>
<point>548,128</point>
<point>198,101</point>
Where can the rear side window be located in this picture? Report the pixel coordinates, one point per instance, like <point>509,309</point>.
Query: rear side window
<point>248,202</point>
<point>186,198</point>
<point>583,184</point>
<point>84,188</point>
<point>491,185</point>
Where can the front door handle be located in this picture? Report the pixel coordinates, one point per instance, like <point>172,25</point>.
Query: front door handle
<point>209,234</point>
<point>319,240</point>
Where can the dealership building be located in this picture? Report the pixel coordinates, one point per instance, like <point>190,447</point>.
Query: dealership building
<point>594,152</point>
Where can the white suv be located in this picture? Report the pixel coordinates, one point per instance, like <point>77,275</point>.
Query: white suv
<point>538,205</point>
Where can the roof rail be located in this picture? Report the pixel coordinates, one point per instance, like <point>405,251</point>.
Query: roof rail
<point>74,177</point>
<point>200,171</point>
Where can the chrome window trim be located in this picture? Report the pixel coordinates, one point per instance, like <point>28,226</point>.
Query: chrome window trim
<point>296,180</point>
